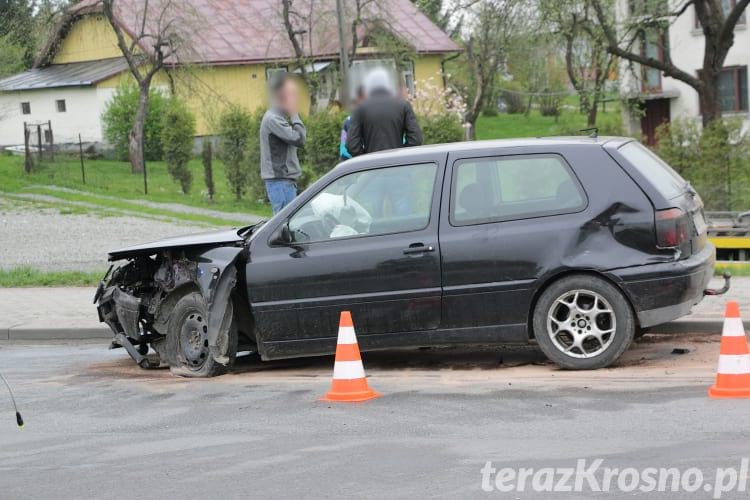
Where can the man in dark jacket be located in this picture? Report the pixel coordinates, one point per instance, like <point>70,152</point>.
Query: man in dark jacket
<point>383,120</point>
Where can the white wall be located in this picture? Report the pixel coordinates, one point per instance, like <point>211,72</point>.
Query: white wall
<point>83,114</point>
<point>686,44</point>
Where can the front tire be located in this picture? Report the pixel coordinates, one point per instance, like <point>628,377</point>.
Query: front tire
<point>187,339</point>
<point>583,323</point>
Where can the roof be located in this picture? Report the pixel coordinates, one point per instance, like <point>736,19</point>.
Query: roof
<point>401,155</point>
<point>246,31</point>
<point>65,75</point>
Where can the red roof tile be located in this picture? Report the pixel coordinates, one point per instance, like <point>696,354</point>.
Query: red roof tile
<point>227,31</point>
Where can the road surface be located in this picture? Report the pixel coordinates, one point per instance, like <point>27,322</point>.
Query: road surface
<point>99,427</point>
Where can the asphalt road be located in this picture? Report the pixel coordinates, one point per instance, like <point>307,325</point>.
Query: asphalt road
<point>99,427</point>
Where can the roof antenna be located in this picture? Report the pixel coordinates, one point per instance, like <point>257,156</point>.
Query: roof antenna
<point>594,132</point>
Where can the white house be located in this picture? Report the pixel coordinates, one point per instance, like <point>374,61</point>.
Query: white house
<point>664,98</point>
<point>66,95</point>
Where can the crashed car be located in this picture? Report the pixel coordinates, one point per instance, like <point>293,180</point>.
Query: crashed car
<point>578,244</point>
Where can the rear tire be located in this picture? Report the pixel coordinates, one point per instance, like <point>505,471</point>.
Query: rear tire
<point>583,323</point>
<point>187,339</point>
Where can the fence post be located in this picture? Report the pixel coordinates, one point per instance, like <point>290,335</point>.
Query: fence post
<point>51,141</point>
<point>39,140</point>
<point>28,161</point>
<point>80,151</point>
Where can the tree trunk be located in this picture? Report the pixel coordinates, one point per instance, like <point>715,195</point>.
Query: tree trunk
<point>137,157</point>
<point>709,97</point>
<point>592,111</point>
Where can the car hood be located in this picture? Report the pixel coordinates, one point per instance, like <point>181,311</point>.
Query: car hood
<point>225,236</point>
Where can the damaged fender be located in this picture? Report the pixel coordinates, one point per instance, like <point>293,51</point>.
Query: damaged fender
<point>217,276</point>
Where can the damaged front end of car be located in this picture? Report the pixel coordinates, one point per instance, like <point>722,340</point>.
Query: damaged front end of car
<point>136,298</point>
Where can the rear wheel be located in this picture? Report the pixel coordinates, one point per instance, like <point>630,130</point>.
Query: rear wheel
<point>583,323</point>
<point>187,339</point>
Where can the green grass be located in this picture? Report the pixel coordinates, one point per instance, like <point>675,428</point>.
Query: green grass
<point>27,277</point>
<point>505,126</point>
<point>736,268</point>
<point>113,178</point>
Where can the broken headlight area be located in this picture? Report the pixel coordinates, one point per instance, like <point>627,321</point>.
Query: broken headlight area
<point>133,300</point>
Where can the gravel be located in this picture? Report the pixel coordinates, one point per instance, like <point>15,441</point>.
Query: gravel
<point>48,240</point>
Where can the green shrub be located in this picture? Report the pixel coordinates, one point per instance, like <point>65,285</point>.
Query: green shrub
<point>321,151</point>
<point>490,111</point>
<point>442,128</point>
<point>716,160</point>
<point>208,168</point>
<point>119,115</point>
<point>178,130</point>
<point>235,127</point>
<point>511,95</point>
<point>256,187</point>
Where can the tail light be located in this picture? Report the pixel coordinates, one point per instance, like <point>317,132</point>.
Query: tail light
<point>672,228</point>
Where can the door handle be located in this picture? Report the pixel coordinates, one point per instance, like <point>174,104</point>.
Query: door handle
<point>418,248</point>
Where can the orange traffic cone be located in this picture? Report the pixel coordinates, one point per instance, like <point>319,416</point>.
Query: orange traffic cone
<point>349,380</point>
<point>733,374</point>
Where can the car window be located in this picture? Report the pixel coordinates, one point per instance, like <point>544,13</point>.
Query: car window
<point>380,201</point>
<point>666,181</point>
<point>513,187</point>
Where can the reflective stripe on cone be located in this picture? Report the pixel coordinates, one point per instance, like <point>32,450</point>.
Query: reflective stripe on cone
<point>349,379</point>
<point>733,372</point>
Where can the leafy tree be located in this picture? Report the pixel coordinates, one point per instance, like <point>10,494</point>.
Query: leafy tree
<point>208,169</point>
<point>178,130</point>
<point>16,25</point>
<point>118,118</point>
<point>587,60</point>
<point>162,28</point>
<point>235,145</point>
<point>11,56</point>
<point>714,158</point>
<point>321,151</point>
<point>650,20</point>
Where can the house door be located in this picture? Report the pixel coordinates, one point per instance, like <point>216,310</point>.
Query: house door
<point>656,112</point>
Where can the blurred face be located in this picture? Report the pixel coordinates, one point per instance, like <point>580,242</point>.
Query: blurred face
<point>288,96</point>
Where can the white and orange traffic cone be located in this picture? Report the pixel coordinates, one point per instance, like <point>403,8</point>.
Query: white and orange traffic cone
<point>733,374</point>
<point>349,379</point>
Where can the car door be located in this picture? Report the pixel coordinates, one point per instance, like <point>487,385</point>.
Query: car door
<point>505,213</point>
<point>365,242</point>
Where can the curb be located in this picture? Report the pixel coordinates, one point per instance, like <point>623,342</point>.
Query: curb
<point>709,326</point>
<point>53,333</point>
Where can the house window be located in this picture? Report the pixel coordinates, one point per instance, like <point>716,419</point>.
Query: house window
<point>653,45</point>
<point>733,89</point>
<point>651,8</point>
<point>726,5</point>
<point>26,108</point>
<point>271,72</point>
<point>61,107</point>
<point>407,75</point>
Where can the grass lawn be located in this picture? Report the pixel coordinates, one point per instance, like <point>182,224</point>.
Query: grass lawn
<point>113,178</point>
<point>570,122</point>
<point>27,277</point>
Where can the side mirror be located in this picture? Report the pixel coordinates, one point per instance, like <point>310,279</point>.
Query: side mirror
<point>283,236</point>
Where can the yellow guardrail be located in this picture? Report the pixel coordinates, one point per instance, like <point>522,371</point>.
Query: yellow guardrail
<point>731,242</point>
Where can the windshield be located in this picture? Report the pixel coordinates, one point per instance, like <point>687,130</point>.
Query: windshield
<point>668,182</point>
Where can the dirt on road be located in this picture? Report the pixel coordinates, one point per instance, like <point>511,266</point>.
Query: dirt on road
<point>654,360</point>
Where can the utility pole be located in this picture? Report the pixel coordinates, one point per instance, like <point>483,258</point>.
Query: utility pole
<point>343,55</point>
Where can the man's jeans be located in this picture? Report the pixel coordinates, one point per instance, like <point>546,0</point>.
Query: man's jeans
<point>281,192</point>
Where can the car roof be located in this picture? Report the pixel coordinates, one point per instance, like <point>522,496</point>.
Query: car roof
<point>394,155</point>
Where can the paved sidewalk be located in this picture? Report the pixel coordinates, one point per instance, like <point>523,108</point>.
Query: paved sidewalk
<point>68,313</point>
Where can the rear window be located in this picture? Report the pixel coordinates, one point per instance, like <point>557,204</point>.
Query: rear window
<point>666,181</point>
<point>513,187</point>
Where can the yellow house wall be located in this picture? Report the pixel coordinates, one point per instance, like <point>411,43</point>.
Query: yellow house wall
<point>429,66</point>
<point>207,90</point>
<point>90,38</point>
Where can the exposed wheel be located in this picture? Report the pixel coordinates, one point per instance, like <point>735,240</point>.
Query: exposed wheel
<point>583,323</point>
<point>187,339</point>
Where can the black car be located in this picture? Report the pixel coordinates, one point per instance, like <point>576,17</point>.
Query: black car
<point>577,243</point>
